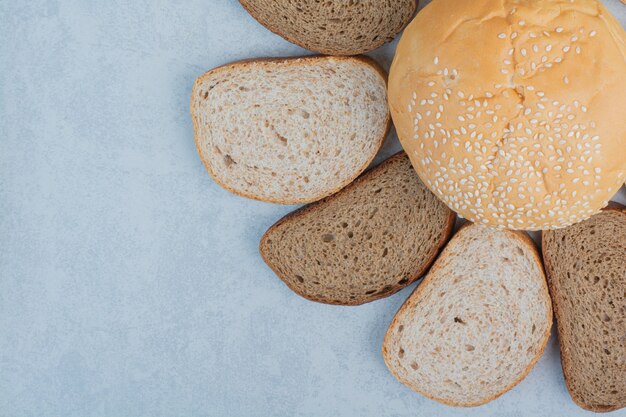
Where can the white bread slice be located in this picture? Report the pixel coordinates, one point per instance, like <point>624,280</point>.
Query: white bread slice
<point>368,241</point>
<point>478,322</point>
<point>586,267</point>
<point>290,130</point>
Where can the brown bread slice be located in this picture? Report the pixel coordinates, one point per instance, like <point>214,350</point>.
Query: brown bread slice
<point>346,27</point>
<point>478,322</point>
<point>366,242</point>
<point>586,266</point>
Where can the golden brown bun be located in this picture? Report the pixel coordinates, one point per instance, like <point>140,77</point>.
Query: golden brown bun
<point>513,112</point>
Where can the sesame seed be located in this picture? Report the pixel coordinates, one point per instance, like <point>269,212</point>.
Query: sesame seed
<point>436,60</point>
<point>502,35</point>
<point>566,48</point>
<point>559,29</point>
<point>578,49</point>
<point>522,22</point>
<point>593,33</point>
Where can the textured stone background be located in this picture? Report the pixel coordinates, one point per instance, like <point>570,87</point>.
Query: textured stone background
<point>130,283</point>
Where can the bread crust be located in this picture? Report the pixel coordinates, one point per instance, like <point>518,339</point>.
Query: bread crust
<point>325,51</point>
<point>292,60</point>
<point>525,239</point>
<point>565,357</point>
<point>311,208</point>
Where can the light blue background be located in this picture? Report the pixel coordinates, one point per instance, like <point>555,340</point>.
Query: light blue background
<point>130,283</point>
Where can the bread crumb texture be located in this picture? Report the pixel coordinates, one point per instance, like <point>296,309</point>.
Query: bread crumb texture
<point>586,265</point>
<point>513,111</point>
<point>346,27</point>
<point>477,323</point>
<point>366,242</point>
<point>290,130</point>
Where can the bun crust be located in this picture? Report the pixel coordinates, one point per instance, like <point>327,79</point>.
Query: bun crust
<point>512,112</point>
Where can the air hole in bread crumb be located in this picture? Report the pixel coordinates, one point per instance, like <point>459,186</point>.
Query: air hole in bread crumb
<point>400,328</point>
<point>414,366</point>
<point>506,291</point>
<point>329,237</point>
<point>401,353</point>
<point>403,281</point>
<point>282,139</point>
<point>370,292</point>
<point>459,320</point>
<point>385,252</point>
<point>385,289</point>
<point>228,161</point>
<point>605,317</point>
<point>377,190</point>
<point>344,225</point>
<point>300,279</point>
<point>350,235</point>
<point>469,348</point>
<point>533,329</point>
<point>608,352</point>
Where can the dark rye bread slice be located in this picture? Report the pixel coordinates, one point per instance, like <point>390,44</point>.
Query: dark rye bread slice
<point>477,323</point>
<point>366,242</point>
<point>345,27</point>
<point>586,266</point>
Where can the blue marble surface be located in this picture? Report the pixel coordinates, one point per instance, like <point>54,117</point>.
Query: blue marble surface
<point>130,283</point>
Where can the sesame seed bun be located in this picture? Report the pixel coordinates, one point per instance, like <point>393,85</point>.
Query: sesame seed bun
<point>513,112</point>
